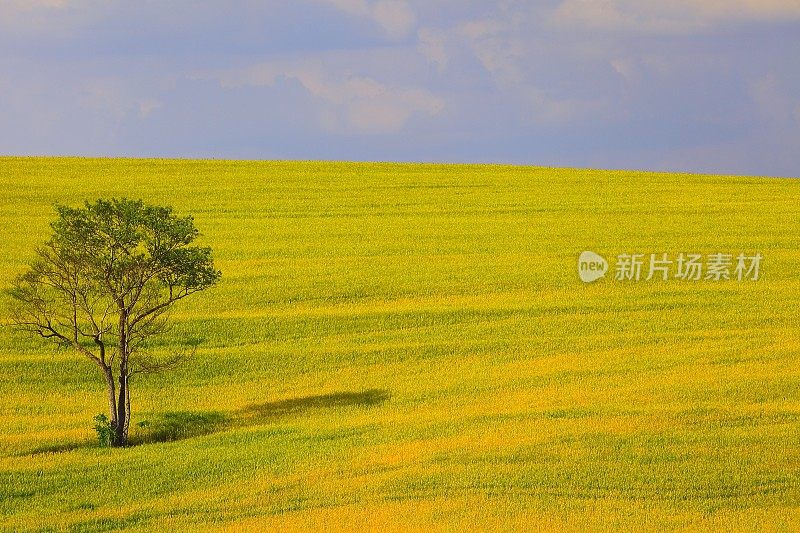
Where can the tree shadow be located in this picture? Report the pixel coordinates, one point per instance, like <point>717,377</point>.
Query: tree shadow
<point>58,447</point>
<point>261,412</point>
<point>179,425</point>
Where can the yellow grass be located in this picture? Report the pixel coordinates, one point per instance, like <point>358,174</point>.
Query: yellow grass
<point>408,347</point>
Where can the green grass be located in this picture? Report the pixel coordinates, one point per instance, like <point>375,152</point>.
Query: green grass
<point>399,347</point>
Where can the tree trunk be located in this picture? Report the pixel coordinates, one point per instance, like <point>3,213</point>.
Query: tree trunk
<point>123,412</point>
<point>127,406</point>
<point>123,405</point>
<point>112,399</point>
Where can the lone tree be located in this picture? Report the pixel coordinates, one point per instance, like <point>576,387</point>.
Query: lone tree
<point>102,285</point>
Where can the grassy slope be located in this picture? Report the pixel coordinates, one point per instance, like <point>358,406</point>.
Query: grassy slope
<point>471,379</point>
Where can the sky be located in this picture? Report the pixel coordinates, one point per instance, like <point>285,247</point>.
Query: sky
<point>675,85</point>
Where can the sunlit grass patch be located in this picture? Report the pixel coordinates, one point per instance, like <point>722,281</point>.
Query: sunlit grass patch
<point>408,347</point>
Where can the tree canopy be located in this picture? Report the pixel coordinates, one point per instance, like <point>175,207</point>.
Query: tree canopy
<point>104,282</point>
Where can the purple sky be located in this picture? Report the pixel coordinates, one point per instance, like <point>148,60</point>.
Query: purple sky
<point>704,85</point>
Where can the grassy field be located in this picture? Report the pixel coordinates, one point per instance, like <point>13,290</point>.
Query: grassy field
<point>398,347</point>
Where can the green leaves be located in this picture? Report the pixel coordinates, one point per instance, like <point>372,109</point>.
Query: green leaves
<point>108,273</point>
<point>189,267</point>
<point>125,244</point>
<point>105,431</point>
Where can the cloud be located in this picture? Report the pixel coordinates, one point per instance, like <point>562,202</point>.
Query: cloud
<point>555,82</point>
<point>148,106</point>
<point>773,101</point>
<point>670,16</point>
<point>396,17</point>
<point>626,67</point>
<point>30,5</point>
<point>507,52</point>
<point>349,103</point>
<point>432,44</point>
<point>107,97</point>
<point>115,100</point>
<point>50,19</point>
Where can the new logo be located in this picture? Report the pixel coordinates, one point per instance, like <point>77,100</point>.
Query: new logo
<point>591,266</point>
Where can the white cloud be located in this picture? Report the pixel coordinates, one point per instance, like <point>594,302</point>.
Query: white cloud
<point>360,8</point>
<point>349,103</point>
<point>108,97</point>
<point>148,106</point>
<point>506,51</point>
<point>624,67</point>
<point>29,5</point>
<point>773,10</point>
<point>432,44</point>
<point>49,18</point>
<point>490,41</point>
<point>670,16</point>
<point>773,100</point>
<point>508,80</point>
<point>396,17</point>
<point>115,99</point>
